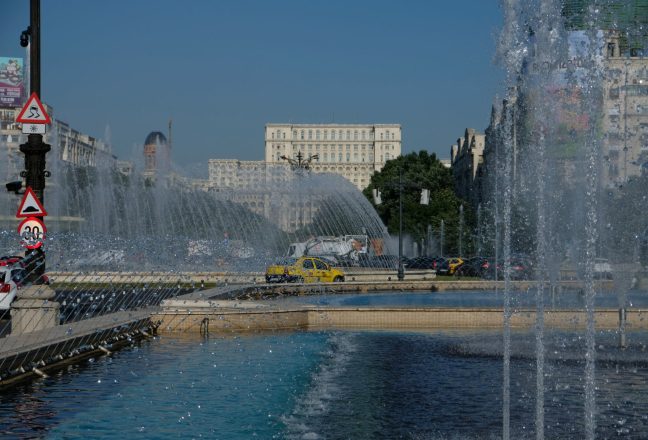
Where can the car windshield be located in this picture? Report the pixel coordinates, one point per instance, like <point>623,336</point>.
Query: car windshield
<point>286,262</point>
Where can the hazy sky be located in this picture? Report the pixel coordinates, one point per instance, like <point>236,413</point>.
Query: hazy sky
<point>221,69</point>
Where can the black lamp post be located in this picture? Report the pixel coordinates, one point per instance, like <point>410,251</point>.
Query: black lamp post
<point>35,149</point>
<point>401,270</point>
<point>424,201</point>
<point>300,165</point>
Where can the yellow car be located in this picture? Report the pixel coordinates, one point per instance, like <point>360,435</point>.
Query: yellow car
<point>450,266</point>
<point>303,270</point>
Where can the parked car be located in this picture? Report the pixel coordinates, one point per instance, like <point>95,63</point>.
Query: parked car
<point>278,271</point>
<point>521,269</point>
<point>450,266</point>
<point>473,267</point>
<point>8,286</point>
<point>602,269</point>
<point>303,270</point>
<point>384,262</point>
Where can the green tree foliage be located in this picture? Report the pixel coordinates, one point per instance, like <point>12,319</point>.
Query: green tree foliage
<point>422,171</point>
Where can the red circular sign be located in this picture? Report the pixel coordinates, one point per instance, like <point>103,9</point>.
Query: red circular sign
<point>32,232</point>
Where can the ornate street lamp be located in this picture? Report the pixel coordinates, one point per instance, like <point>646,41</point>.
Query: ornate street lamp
<point>300,163</point>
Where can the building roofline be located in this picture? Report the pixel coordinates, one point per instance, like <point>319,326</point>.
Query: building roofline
<point>276,124</point>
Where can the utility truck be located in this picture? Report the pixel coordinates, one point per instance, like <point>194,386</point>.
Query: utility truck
<point>349,246</point>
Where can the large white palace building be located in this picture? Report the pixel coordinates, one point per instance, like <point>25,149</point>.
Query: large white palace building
<point>354,151</point>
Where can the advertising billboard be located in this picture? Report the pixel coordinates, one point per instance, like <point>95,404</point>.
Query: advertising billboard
<point>575,76</point>
<point>12,83</point>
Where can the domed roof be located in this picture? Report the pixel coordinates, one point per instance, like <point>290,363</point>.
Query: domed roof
<point>155,137</point>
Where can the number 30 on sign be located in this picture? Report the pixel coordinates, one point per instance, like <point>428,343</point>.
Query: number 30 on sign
<point>32,232</point>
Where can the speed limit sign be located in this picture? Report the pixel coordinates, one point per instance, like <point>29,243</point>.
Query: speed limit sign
<point>32,232</point>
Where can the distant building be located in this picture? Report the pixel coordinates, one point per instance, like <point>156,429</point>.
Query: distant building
<point>467,157</point>
<point>68,144</point>
<point>124,166</point>
<point>354,151</point>
<point>260,187</point>
<point>625,120</point>
<point>248,174</point>
<point>157,154</point>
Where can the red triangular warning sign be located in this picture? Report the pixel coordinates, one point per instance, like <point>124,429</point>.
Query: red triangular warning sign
<point>33,112</point>
<point>30,205</point>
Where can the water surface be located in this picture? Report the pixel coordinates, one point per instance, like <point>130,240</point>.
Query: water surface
<point>329,385</point>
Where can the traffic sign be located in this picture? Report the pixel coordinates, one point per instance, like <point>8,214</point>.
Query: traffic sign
<point>34,128</point>
<point>33,112</point>
<point>32,232</point>
<point>30,205</point>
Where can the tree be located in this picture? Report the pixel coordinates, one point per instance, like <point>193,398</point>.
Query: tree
<point>422,171</point>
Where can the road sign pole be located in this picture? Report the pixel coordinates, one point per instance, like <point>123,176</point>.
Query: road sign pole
<point>35,149</point>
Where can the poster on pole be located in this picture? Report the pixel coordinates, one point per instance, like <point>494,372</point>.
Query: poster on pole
<point>12,82</point>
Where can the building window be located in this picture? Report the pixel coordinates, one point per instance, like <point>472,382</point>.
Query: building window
<point>317,134</point>
<point>325,135</point>
<point>381,136</point>
<point>364,135</point>
<point>348,157</point>
<point>310,134</point>
<point>340,157</point>
<point>295,134</point>
<point>386,157</point>
<point>355,135</point>
<point>302,134</point>
<point>348,135</point>
<point>333,135</point>
<point>272,135</point>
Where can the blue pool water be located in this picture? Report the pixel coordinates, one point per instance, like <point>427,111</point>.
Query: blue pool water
<point>325,385</point>
<point>470,299</point>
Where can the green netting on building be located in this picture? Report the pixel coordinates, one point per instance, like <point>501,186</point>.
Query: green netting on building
<point>628,17</point>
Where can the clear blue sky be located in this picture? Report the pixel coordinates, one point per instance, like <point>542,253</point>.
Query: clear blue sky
<point>222,69</point>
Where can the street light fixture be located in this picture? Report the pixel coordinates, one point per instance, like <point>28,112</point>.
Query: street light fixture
<point>300,163</point>
<point>425,199</point>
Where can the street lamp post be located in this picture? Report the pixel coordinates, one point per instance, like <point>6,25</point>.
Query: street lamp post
<point>425,194</point>
<point>35,149</point>
<point>300,165</point>
<point>401,270</point>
